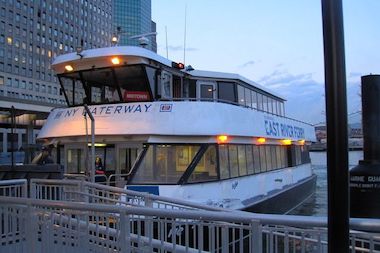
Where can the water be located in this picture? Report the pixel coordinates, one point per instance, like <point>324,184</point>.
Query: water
<point>317,205</point>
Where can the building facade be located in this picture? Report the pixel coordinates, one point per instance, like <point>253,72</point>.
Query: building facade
<point>132,18</point>
<point>32,33</point>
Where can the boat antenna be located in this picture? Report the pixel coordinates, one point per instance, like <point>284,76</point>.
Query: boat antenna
<point>167,50</point>
<point>184,39</point>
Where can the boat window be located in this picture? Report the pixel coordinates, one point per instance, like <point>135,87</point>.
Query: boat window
<point>74,91</point>
<point>298,155</point>
<point>190,88</point>
<point>164,164</point>
<point>151,74</point>
<point>108,85</point>
<point>275,102</point>
<point>279,156</point>
<point>223,162</point>
<point>226,92</point>
<point>248,152</point>
<point>206,170</point>
<point>242,160</point>
<point>265,103</point>
<point>207,91</point>
<point>127,157</point>
<point>75,161</point>
<point>260,101</point>
<point>282,109</point>
<point>263,163</point>
<point>305,157</point>
<point>241,98</point>
<point>269,105</point>
<point>248,97</point>
<point>268,156</point>
<point>273,153</point>
<point>256,159</point>
<point>106,153</point>
<point>177,90</point>
<point>233,159</point>
<point>134,83</point>
<point>166,85</point>
<point>284,158</point>
<point>254,99</point>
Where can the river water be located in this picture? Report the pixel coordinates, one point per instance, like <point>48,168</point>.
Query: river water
<point>317,205</point>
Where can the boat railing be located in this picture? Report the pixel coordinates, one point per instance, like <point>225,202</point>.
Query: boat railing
<point>14,188</point>
<point>83,191</point>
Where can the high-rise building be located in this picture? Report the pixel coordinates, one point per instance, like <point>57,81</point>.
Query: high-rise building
<point>32,33</point>
<point>132,18</point>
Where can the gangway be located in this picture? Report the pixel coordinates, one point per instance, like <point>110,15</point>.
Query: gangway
<point>78,216</point>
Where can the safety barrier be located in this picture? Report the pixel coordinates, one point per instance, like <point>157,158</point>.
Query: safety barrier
<point>80,190</point>
<point>74,222</point>
<point>14,188</point>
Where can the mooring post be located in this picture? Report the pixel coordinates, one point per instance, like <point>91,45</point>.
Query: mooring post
<point>336,119</point>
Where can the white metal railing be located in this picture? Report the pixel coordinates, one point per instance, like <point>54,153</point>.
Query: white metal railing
<point>58,218</point>
<point>14,188</point>
<point>32,225</point>
<point>80,190</point>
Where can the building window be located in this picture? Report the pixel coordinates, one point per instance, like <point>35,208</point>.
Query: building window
<point>9,40</point>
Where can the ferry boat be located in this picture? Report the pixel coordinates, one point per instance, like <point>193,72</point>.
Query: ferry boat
<point>208,137</point>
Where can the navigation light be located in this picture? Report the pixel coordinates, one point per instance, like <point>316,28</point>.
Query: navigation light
<point>69,68</point>
<point>178,65</point>
<point>222,138</point>
<point>115,60</point>
<point>301,142</point>
<point>286,142</point>
<point>261,140</point>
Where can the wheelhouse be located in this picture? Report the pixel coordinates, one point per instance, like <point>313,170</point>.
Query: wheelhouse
<point>123,79</point>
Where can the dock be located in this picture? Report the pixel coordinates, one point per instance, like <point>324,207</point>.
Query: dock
<point>47,215</point>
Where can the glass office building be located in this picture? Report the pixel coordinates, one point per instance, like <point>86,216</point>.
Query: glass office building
<point>32,33</point>
<point>131,18</point>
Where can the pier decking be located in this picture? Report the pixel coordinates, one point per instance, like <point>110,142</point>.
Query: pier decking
<point>78,216</point>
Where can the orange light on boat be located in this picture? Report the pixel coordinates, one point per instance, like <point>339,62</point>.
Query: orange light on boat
<point>286,142</point>
<point>115,60</point>
<point>301,142</point>
<point>69,68</point>
<point>222,138</point>
<point>261,140</point>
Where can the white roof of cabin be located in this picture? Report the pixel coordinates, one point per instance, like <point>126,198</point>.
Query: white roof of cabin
<point>112,51</point>
<point>142,52</point>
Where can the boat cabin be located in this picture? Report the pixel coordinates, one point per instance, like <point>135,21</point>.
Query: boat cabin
<point>124,75</point>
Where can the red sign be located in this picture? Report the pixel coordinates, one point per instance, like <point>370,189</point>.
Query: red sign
<point>131,96</point>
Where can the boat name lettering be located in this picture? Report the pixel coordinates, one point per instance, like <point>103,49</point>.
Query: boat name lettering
<point>273,128</point>
<point>105,110</point>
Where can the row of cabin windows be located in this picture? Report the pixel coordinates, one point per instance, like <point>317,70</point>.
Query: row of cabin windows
<point>235,93</point>
<point>168,164</point>
<point>143,83</point>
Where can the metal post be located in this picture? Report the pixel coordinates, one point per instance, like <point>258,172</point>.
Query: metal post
<point>12,134</point>
<point>336,112</point>
<point>92,173</point>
